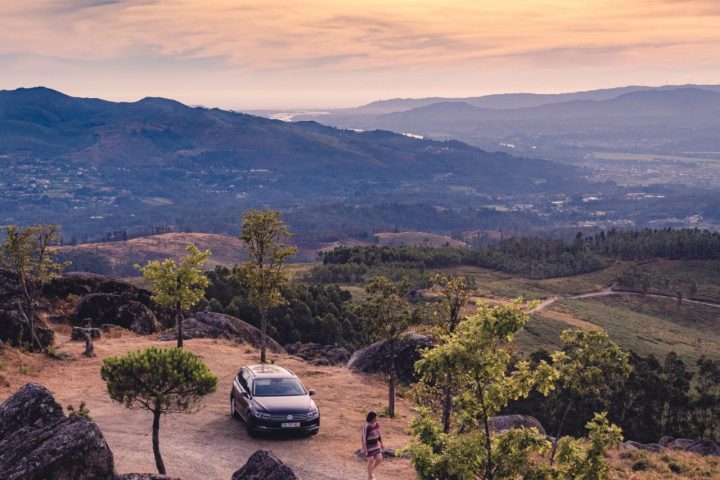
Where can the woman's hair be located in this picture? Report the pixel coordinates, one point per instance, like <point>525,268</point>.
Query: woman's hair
<point>371,416</point>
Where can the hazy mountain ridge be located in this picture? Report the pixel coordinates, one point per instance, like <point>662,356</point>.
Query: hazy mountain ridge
<point>68,159</point>
<point>636,119</point>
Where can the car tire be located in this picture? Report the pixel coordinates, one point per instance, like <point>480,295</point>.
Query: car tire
<point>250,426</point>
<point>233,409</point>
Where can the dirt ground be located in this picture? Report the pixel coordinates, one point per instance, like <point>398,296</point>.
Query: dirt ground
<point>210,444</point>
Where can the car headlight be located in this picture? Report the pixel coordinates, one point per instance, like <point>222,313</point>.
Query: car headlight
<point>262,415</point>
<point>313,413</point>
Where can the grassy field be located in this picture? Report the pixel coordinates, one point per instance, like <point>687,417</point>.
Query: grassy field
<point>652,325</point>
<point>664,274</point>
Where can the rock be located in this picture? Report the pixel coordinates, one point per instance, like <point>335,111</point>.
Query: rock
<point>9,285</point>
<point>31,406</point>
<point>701,447</point>
<point>15,330</point>
<point>218,325</point>
<point>264,465</point>
<point>78,333</point>
<point>649,447</point>
<point>37,441</point>
<point>375,358</point>
<point>502,423</point>
<point>73,283</point>
<point>103,308</point>
<point>318,354</point>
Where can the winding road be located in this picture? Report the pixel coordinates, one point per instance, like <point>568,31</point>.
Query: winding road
<point>608,291</point>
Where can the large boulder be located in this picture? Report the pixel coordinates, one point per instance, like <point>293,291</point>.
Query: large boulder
<point>375,358</point>
<point>648,447</point>
<point>264,465</point>
<point>503,423</point>
<point>319,354</point>
<point>31,406</point>
<point>9,285</point>
<point>73,283</point>
<point>14,328</point>
<point>218,325</point>
<point>701,447</point>
<point>109,308</point>
<point>37,441</point>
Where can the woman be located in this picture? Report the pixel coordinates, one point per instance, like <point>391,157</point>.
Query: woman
<point>372,445</point>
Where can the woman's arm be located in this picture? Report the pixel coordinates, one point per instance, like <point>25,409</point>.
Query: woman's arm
<point>363,441</point>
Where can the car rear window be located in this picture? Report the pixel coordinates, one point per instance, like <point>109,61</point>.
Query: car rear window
<point>277,387</point>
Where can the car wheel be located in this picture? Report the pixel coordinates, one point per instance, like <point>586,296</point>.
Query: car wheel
<point>233,410</point>
<point>250,426</point>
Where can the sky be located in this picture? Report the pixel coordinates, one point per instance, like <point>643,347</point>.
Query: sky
<point>318,54</point>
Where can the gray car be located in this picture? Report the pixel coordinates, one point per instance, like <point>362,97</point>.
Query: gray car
<point>270,398</point>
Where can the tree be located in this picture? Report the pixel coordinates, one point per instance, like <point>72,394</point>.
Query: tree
<point>707,401</point>
<point>478,355</point>
<point>161,381</point>
<point>27,253</point>
<point>454,293</point>
<point>387,314</point>
<point>264,271</point>
<point>590,365</point>
<point>179,286</point>
<point>677,399</point>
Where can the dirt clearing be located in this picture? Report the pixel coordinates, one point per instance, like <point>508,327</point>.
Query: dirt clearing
<point>210,444</point>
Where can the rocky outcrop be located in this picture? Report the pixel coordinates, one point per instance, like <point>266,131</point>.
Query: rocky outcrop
<point>648,447</point>
<point>502,423</point>
<point>73,283</point>
<point>264,465</point>
<point>318,354</point>
<point>375,358</point>
<point>14,328</point>
<point>109,308</point>
<point>37,441</point>
<point>701,447</point>
<point>218,325</point>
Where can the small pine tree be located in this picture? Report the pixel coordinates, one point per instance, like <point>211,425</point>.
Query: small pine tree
<point>161,381</point>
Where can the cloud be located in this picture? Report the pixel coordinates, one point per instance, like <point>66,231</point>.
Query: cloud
<point>376,41</point>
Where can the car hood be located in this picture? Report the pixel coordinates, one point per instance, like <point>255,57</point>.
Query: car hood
<point>291,404</point>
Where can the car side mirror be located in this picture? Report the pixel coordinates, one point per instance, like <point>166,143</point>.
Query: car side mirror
<point>245,394</point>
<point>311,392</point>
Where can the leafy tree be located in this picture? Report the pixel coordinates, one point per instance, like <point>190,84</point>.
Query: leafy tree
<point>590,365</point>
<point>178,285</point>
<point>161,381</point>
<point>454,294</point>
<point>27,253</point>
<point>707,402</point>
<point>576,461</point>
<point>264,272</point>
<point>677,398</point>
<point>387,314</point>
<point>478,355</point>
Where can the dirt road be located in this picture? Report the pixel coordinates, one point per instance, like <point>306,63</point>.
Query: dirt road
<point>209,444</point>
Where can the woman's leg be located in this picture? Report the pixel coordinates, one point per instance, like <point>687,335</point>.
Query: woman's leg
<point>370,466</point>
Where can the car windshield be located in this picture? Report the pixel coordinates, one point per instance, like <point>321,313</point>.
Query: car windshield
<point>277,387</point>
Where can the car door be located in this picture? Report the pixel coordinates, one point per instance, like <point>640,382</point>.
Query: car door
<point>242,380</point>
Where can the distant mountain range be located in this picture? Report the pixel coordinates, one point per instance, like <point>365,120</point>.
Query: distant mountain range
<point>157,160</point>
<point>662,120</point>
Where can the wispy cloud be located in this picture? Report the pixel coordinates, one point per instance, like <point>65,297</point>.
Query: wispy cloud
<point>325,41</point>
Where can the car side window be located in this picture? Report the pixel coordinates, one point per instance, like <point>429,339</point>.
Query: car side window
<point>245,380</point>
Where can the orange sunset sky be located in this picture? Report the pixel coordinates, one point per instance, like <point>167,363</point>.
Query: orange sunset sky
<point>321,54</point>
